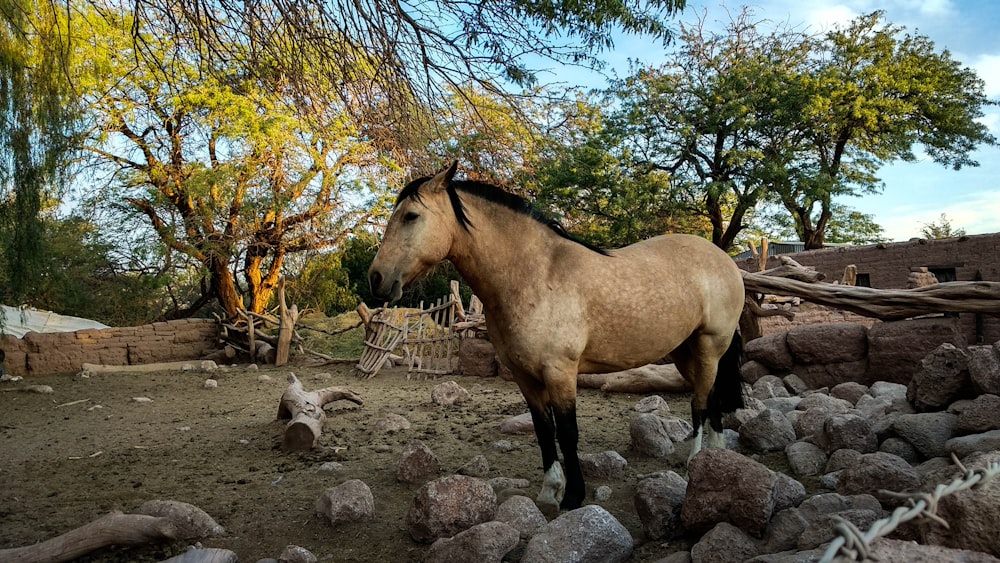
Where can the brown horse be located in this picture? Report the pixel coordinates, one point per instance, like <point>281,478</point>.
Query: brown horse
<point>556,307</point>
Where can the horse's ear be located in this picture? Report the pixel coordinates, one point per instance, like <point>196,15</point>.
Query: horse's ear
<point>441,180</point>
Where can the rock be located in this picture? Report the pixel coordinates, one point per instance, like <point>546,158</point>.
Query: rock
<point>392,423</point>
<point>850,391</point>
<point>449,505</point>
<point>901,448</point>
<point>649,435</point>
<point>872,408</point>
<point>520,424</point>
<point>828,343</point>
<point>604,466</point>
<point>886,549</point>
<point>927,432</point>
<point>848,431</point>
<point>878,471</point>
<point>351,501</point>
<point>772,351</point>
<point>795,384</point>
<point>784,530</point>
<point>652,403</point>
<point>784,405</point>
<point>982,442</point>
<point>500,483</point>
<point>842,459</point>
<point>521,513</point>
<point>768,387</point>
<point>210,384</point>
<point>477,357</point>
<point>984,368</point>
<point>973,515</point>
<point>895,392</point>
<point>724,543</point>
<point>821,529</point>
<point>753,370</point>
<point>805,459</point>
<point>980,415</point>
<point>602,493</point>
<point>487,542</point>
<point>769,431</point>
<point>449,393</point>
<point>586,535</point>
<point>735,420</point>
<point>677,429</point>
<point>475,467</point>
<point>896,348</point>
<point>658,502</point>
<point>788,492</point>
<point>825,402</point>
<point>943,378</point>
<point>808,424</point>
<point>417,463</point>
<point>724,486</point>
<point>296,554</point>
<point>818,376</point>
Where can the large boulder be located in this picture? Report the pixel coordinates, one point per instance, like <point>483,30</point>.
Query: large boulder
<point>835,343</point>
<point>725,486</point>
<point>449,505</point>
<point>585,535</point>
<point>896,348</point>
<point>942,379</point>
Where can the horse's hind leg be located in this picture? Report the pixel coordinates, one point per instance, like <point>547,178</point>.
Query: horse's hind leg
<point>698,360</point>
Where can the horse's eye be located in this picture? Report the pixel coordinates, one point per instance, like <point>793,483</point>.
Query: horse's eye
<point>410,217</point>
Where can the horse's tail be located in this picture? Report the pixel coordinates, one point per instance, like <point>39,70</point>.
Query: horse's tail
<point>727,393</point>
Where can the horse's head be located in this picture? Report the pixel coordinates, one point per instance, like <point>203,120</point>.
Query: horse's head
<point>419,235</point>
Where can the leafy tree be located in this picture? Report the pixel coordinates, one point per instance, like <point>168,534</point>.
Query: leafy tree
<point>941,229</point>
<point>37,112</point>
<point>740,118</point>
<point>875,95</point>
<point>226,173</point>
<point>845,226</point>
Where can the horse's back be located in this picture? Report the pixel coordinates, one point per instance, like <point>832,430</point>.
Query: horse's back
<point>647,298</point>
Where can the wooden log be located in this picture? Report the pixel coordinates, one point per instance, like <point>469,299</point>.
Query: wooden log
<point>162,521</point>
<point>886,304</point>
<point>652,378</point>
<point>265,353</point>
<point>288,316</point>
<point>147,368</point>
<point>305,409</point>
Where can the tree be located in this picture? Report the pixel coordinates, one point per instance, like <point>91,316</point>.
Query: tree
<point>37,115</point>
<point>845,226</point>
<point>224,171</point>
<point>420,50</point>
<point>701,120</point>
<point>941,229</point>
<point>874,95</point>
<point>742,118</point>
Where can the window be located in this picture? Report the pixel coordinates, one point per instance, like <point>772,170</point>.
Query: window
<point>863,280</point>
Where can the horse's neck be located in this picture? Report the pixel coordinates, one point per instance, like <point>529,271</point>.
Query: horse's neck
<point>501,252</point>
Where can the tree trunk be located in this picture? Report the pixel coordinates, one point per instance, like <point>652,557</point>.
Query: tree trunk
<point>224,287</point>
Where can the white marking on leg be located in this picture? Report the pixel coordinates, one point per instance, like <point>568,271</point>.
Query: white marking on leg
<point>714,439</point>
<point>553,486</point>
<point>696,444</point>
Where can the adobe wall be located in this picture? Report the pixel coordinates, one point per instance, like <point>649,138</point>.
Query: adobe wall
<point>65,352</point>
<point>888,265</point>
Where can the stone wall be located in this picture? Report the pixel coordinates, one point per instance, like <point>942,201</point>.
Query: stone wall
<point>65,352</point>
<point>825,355</point>
<point>887,266</point>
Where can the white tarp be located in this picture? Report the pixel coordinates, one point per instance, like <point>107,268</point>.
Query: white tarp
<point>18,322</point>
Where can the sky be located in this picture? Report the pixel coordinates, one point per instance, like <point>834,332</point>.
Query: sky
<point>917,193</point>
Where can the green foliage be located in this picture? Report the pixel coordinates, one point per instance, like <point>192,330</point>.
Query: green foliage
<point>744,118</point>
<point>941,229</point>
<point>80,276</point>
<point>37,118</point>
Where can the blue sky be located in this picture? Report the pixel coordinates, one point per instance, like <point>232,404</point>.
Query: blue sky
<point>915,193</point>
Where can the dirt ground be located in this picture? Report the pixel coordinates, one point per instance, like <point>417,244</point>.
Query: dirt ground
<point>64,464</point>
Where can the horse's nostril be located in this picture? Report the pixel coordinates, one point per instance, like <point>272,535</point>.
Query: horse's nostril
<point>375,281</point>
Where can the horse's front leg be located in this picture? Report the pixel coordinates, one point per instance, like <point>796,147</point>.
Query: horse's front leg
<point>554,482</point>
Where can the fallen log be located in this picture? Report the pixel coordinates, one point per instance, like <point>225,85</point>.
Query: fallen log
<point>652,378</point>
<point>886,304</point>
<point>154,521</point>
<point>205,365</point>
<point>305,409</point>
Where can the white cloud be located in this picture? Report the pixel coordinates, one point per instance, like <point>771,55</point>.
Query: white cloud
<point>987,66</point>
<point>978,213</point>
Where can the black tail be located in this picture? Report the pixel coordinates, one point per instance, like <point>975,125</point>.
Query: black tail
<point>727,392</point>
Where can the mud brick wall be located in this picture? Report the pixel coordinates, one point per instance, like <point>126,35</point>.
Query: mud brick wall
<point>888,266</point>
<point>65,352</point>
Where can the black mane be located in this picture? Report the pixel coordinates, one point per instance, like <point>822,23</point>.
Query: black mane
<point>493,194</point>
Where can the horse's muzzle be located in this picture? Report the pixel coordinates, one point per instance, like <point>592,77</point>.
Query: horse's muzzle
<point>376,282</point>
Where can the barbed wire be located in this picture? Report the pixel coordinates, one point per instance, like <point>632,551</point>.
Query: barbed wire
<point>854,545</point>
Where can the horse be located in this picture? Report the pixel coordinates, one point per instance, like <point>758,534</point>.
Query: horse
<point>556,307</point>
